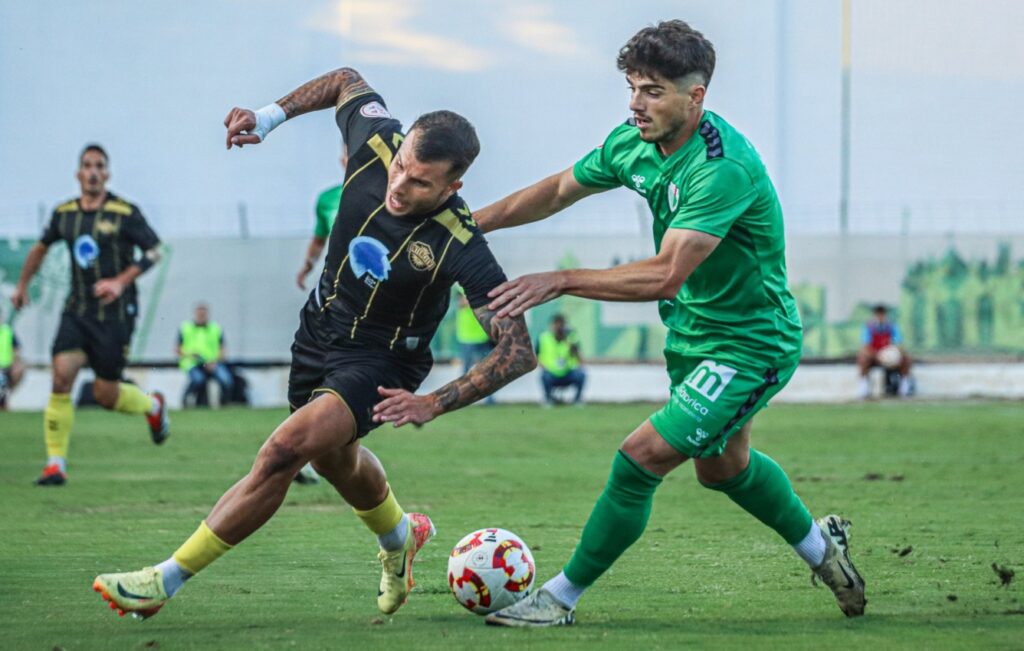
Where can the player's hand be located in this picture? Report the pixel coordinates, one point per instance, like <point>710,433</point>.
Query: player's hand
<point>401,407</point>
<point>19,298</point>
<point>514,297</point>
<point>303,272</point>
<point>108,290</point>
<point>239,123</point>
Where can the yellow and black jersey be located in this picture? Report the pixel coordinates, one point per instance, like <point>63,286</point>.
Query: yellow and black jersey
<point>387,280</point>
<point>102,244</point>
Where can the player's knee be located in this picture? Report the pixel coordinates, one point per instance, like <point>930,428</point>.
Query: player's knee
<point>278,456</point>
<point>105,395</point>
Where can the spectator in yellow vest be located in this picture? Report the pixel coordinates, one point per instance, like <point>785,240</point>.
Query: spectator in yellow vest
<point>200,352</point>
<point>11,367</point>
<point>558,355</point>
<point>474,344</point>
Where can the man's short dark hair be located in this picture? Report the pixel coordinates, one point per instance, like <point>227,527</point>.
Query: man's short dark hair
<point>880,309</point>
<point>92,146</point>
<point>558,318</point>
<point>446,136</point>
<point>670,49</point>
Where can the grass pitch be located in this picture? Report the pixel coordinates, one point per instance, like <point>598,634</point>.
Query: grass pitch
<point>934,492</point>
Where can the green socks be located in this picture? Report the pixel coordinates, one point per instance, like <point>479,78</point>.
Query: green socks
<point>617,521</point>
<point>763,490</point>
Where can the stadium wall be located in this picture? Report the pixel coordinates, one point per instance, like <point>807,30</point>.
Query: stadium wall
<point>953,297</point>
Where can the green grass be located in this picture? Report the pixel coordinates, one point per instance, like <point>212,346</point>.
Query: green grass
<point>705,575</point>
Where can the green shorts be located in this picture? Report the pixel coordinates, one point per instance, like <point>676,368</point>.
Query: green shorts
<point>712,400</point>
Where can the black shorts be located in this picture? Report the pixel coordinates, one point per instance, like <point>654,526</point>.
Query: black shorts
<point>105,343</point>
<point>324,363</point>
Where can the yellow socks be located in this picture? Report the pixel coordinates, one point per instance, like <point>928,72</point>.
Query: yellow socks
<point>201,549</point>
<point>131,400</point>
<point>57,419</point>
<point>383,518</point>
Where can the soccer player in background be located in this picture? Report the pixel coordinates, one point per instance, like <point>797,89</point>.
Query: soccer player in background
<point>326,210</point>
<point>12,368</point>
<point>734,334</point>
<point>101,231</point>
<point>402,238</point>
<point>327,203</point>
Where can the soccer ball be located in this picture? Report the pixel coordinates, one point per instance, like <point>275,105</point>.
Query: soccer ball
<point>889,357</point>
<point>490,569</point>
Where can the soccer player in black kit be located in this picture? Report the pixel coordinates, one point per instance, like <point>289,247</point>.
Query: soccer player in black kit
<point>403,236</point>
<point>102,232</point>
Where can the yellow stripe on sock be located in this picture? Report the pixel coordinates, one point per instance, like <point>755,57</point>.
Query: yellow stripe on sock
<point>384,517</point>
<point>131,400</point>
<point>201,549</point>
<point>57,419</point>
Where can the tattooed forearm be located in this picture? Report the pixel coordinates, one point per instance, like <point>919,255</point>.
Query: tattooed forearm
<point>331,89</point>
<point>512,357</point>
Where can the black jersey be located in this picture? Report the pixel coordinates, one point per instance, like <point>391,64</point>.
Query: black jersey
<point>102,245</point>
<point>387,280</point>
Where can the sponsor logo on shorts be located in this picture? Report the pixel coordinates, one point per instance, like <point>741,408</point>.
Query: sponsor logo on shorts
<point>374,110</point>
<point>692,404</point>
<point>698,437</point>
<point>710,378</point>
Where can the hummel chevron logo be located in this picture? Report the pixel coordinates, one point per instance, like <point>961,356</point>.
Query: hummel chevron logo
<point>130,595</point>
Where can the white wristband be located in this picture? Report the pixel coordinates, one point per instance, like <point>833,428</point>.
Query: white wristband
<point>267,119</point>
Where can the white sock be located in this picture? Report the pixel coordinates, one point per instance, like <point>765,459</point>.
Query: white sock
<point>395,539</point>
<point>812,547</point>
<point>59,461</point>
<point>174,575</point>
<point>564,591</point>
<point>864,388</point>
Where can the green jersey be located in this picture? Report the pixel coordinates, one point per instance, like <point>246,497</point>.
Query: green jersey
<point>326,210</point>
<point>735,304</point>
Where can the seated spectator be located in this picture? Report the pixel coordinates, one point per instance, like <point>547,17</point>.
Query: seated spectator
<point>12,369</point>
<point>882,345</point>
<point>200,350</point>
<point>558,355</point>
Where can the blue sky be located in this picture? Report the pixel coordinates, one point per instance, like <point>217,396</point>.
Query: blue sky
<point>937,87</point>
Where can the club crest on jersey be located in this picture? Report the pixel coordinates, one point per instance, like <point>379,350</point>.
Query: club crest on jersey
<point>105,227</point>
<point>421,256</point>
<point>369,259</point>
<point>673,197</point>
<point>85,251</point>
<point>374,110</point>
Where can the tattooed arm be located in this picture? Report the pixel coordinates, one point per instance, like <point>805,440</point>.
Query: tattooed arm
<point>326,91</point>
<point>511,358</point>
<point>246,127</point>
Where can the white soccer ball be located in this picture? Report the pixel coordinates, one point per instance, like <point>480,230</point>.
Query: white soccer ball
<point>490,569</point>
<point>889,356</point>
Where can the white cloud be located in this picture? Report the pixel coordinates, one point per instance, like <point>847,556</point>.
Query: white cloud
<point>385,33</point>
<point>530,25</point>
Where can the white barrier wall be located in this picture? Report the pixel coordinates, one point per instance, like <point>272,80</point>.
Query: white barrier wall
<point>605,383</point>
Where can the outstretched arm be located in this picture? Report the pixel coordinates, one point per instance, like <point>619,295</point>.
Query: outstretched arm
<point>33,261</point>
<point>536,202</point>
<point>651,279</point>
<point>246,127</point>
<point>511,358</point>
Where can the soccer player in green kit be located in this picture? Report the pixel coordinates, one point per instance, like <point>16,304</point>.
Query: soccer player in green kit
<point>734,333</point>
